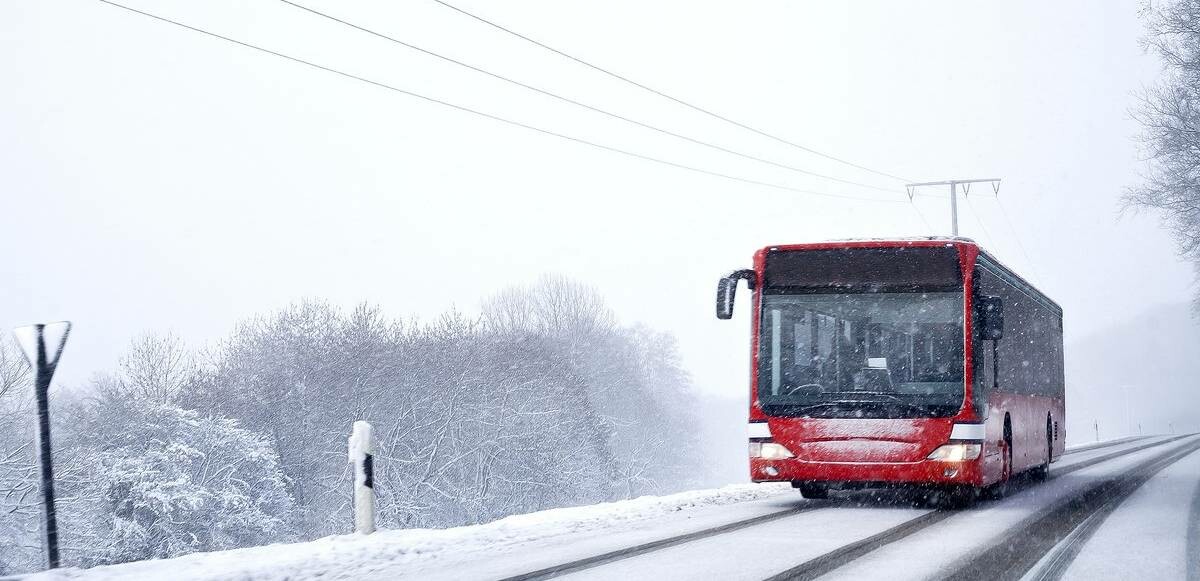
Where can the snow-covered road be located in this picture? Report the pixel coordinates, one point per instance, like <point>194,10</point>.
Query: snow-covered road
<point>1125,510</point>
<point>1146,537</point>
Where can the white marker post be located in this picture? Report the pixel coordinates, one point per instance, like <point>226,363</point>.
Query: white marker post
<point>364,478</point>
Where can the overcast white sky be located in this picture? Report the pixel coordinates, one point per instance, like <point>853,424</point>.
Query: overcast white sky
<point>156,179</point>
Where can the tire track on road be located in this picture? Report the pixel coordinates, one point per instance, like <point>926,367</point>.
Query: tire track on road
<point>840,557</point>
<point>824,563</point>
<point>1099,445</point>
<point>814,568</point>
<point>628,552</point>
<point>1070,547</point>
<point>1075,518</point>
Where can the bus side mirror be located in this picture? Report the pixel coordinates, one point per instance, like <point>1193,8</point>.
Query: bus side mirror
<point>727,289</point>
<point>991,318</point>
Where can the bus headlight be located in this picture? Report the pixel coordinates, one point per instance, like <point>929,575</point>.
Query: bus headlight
<point>769,451</point>
<point>956,452</point>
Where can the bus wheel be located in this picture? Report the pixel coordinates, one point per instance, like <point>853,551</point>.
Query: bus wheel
<point>812,490</point>
<point>999,488</point>
<point>1044,470</point>
<point>959,497</point>
<point>1008,449</point>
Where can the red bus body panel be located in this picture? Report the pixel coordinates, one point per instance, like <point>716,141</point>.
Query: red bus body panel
<point>894,451</point>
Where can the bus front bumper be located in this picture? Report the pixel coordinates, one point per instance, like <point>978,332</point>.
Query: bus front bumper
<point>925,472</point>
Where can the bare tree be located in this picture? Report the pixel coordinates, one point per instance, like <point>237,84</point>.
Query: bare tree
<point>1170,116</point>
<point>565,305</point>
<point>511,311</point>
<point>156,368</point>
<point>14,370</point>
<point>18,508</point>
<point>554,304</point>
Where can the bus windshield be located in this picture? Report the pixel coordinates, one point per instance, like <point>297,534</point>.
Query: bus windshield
<point>867,355</point>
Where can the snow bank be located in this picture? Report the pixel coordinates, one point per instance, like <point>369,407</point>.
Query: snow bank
<point>352,555</point>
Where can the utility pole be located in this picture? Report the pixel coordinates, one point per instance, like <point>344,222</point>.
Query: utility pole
<point>954,194</point>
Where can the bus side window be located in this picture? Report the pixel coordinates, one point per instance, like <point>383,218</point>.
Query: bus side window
<point>986,351</point>
<point>989,366</point>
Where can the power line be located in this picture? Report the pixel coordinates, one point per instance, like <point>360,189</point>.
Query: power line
<point>582,104</point>
<point>489,115</point>
<point>1017,237</point>
<point>669,97</point>
<point>921,215</point>
<point>979,220</point>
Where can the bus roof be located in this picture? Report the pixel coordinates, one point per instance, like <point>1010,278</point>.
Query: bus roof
<point>925,241</point>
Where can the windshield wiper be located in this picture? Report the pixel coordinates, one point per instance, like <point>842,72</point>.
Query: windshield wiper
<point>851,404</point>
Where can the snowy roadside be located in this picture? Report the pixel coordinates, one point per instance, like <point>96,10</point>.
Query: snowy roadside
<point>330,557</point>
<point>1085,446</point>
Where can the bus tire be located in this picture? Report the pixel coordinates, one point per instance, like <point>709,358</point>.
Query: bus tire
<point>1008,448</point>
<point>1043,471</point>
<point>959,497</point>
<point>812,490</point>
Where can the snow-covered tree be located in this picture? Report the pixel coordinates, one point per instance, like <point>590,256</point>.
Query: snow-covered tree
<point>18,470</point>
<point>301,376</point>
<point>631,376</point>
<point>543,401</point>
<point>166,481</point>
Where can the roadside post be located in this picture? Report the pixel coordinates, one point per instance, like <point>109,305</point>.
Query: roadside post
<point>364,478</point>
<point>33,341</point>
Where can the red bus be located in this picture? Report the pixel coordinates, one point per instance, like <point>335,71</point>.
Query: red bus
<point>898,362</point>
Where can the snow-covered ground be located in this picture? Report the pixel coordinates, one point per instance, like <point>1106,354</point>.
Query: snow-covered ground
<point>417,553</point>
<point>1146,537</point>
